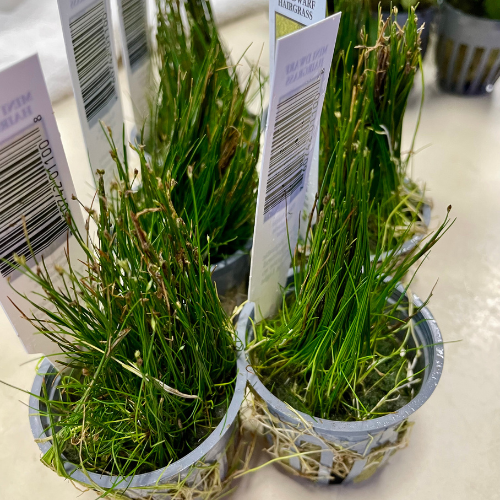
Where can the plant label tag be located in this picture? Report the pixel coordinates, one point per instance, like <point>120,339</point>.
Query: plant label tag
<point>88,36</point>
<point>286,17</point>
<point>35,193</point>
<point>136,46</point>
<point>303,61</point>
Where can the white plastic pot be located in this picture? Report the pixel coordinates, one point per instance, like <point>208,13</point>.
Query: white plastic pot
<point>362,437</point>
<point>142,486</point>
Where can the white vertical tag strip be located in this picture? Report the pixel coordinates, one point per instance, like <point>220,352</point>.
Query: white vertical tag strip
<point>136,47</point>
<point>303,61</point>
<point>88,35</point>
<point>286,17</point>
<point>35,184</point>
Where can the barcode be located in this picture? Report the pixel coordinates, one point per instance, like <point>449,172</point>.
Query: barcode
<point>135,23</point>
<point>27,190</point>
<point>290,145</point>
<point>94,60</point>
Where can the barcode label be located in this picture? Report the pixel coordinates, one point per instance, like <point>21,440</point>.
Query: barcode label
<point>35,196</point>
<point>302,65</point>
<point>135,25</point>
<point>94,60</point>
<point>28,190</point>
<point>291,145</point>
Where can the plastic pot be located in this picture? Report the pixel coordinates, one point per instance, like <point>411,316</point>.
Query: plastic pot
<point>468,52</point>
<point>363,437</point>
<point>215,448</point>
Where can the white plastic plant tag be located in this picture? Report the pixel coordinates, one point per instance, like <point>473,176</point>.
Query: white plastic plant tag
<point>134,26</point>
<point>286,17</point>
<point>88,35</point>
<point>303,61</point>
<point>35,192</point>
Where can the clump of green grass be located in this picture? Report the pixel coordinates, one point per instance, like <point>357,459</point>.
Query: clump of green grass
<point>200,124</point>
<point>392,53</point>
<point>342,345</point>
<point>149,354</point>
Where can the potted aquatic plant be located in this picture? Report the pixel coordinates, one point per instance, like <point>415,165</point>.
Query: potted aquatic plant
<point>143,399</point>
<point>352,354</point>
<point>201,108</point>
<point>468,51</point>
<point>394,56</point>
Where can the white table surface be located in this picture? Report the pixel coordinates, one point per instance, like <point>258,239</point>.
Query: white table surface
<point>455,447</point>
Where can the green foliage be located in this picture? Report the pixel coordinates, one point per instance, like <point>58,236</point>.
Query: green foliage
<point>392,53</point>
<point>492,9</point>
<point>340,347</point>
<point>150,355</point>
<point>201,124</point>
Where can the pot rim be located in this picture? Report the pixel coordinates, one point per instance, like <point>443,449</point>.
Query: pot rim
<point>432,376</point>
<point>149,479</point>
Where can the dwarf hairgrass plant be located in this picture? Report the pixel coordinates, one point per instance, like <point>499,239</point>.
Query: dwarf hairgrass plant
<point>200,124</point>
<point>390,53</point>
<point>342,346</point>
<point>149,355</point>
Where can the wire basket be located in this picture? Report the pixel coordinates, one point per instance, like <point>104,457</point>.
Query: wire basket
<point>468,52</point>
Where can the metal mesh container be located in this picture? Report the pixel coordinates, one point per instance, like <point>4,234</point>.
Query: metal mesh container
<point>468,52</point>
<point>217,448</point>
<point>366,444</point>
